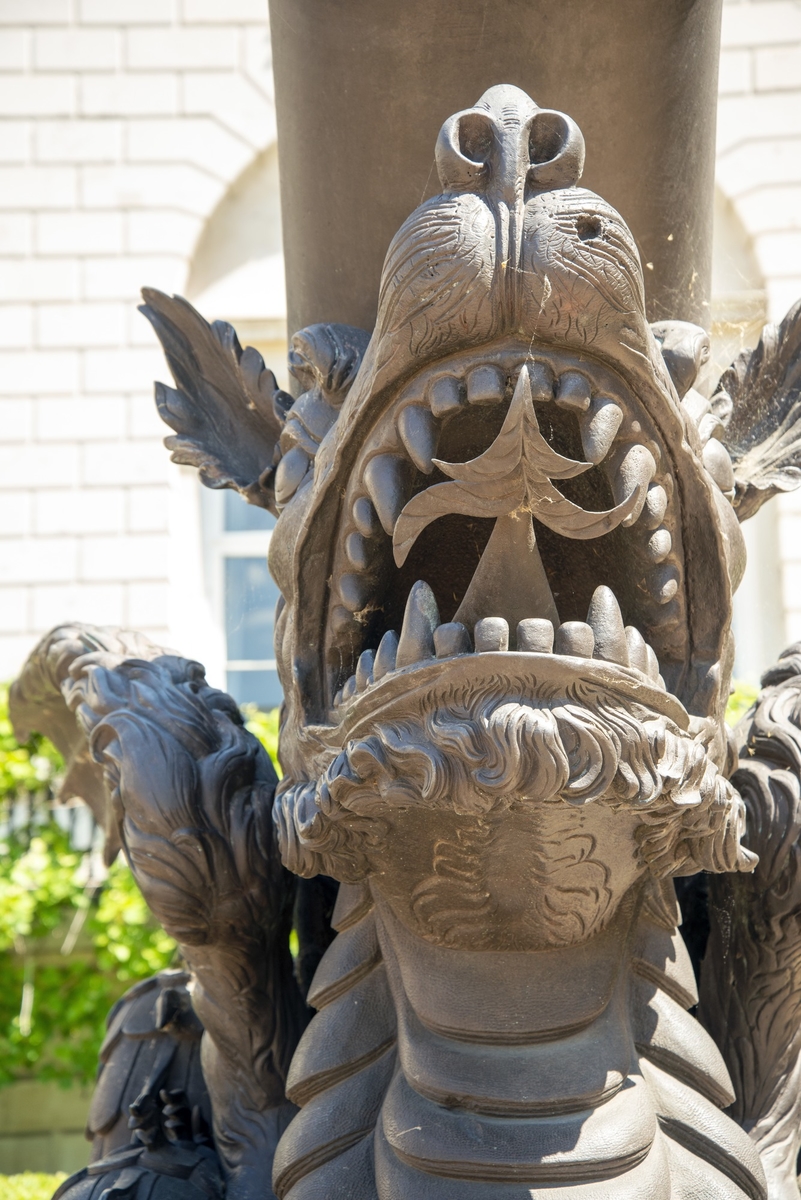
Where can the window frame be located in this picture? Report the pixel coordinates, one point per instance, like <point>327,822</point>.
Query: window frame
<point>221,544</point>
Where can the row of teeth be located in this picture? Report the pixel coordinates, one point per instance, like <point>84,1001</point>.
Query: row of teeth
<point>715,457</point>
<point>602,636</point>
<point>599,417</point>
<point>388,477</point>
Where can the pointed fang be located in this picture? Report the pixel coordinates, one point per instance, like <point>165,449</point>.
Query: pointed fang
<point>605,620</point>
<point>634,472</point>
<point>638,650</point>
<point>386,655</point>
<point>385,478</point>
<point>652,667</point>
<point>420,620</point>
<point>364,670</point>
<point>599,428</point>
<point>420,434</point>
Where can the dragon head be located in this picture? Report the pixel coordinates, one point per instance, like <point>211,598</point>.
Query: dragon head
<point>508,495</point>
<point>511,443</point>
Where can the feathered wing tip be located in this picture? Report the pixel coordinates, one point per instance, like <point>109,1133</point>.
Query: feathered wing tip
<point>758,401</point>
<point>226,409</point>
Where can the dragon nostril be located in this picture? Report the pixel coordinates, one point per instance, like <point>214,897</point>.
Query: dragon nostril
<point>547,137</point>
<point>475,137</point>
<point>555,151</point>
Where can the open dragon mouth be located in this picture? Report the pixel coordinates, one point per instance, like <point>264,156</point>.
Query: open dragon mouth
<point>514,499</point>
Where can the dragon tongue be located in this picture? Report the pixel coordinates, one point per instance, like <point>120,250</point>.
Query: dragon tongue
<point>510,580</point>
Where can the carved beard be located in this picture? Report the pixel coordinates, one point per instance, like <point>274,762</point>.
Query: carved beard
<point>514,825</point>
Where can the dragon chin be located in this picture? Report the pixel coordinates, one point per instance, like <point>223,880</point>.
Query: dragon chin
<point>547,766</point>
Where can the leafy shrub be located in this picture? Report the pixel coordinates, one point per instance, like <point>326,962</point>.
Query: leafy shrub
<point>70,945</point>
<point>53,1002</point>
<point>740,701</point>
<point>264,726</point>
<point>30,1185</point>
<point>28,768</point>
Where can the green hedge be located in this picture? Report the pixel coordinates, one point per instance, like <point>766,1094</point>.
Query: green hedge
<point>740,701</point>
<point>30,1185</point>
<point>68,948</point>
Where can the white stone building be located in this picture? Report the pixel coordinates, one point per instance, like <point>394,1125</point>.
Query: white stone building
<point>137,147</point>
<point>758,273</point>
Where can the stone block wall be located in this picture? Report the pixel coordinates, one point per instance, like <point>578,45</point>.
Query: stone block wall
<point>122,125</point>
<point>759,170</point>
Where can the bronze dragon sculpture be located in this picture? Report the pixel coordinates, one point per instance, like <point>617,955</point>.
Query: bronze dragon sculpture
<point>507,542</point>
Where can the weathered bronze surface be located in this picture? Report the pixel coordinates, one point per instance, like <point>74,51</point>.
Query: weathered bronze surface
<point>507,543</point>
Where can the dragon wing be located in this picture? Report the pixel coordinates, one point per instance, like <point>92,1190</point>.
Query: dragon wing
<point>758,400</point>
<point>226,409</point>
<point>188,792</point>
<point>750,995</point>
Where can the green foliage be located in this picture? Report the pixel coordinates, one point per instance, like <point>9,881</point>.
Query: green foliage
<point>54,998</point>
<point>740,701</point>
<point>30,1185</point>
<point>264,726</point>
<point>31,767</point>
<point>70,945</point>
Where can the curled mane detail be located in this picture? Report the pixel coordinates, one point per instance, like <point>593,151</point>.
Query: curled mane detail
<point>480,759</point>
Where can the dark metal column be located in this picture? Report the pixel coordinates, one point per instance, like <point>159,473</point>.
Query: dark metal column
<point>362,87</point>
